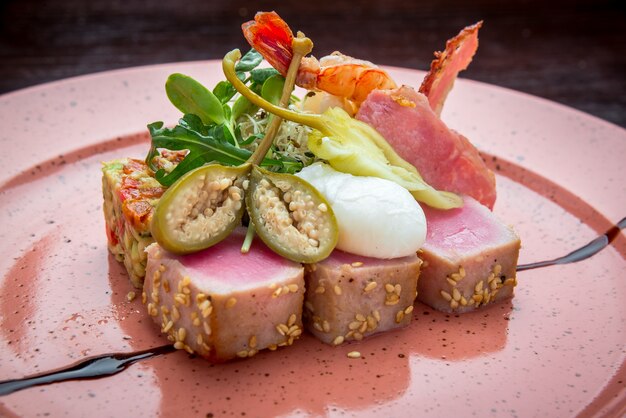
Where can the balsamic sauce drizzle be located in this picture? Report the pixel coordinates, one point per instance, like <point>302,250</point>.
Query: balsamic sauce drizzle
<point>110,364</point>
<point>89,368</point>
<point>583,252</point>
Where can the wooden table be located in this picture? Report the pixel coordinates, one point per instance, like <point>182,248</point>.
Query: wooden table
<point>572,52</point>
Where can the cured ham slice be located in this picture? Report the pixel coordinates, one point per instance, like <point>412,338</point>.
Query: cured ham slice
<point>222,304</point>
<point>350,297</point>
<point>445,159</point>
<point>469,258</point>
<point>448,64</point>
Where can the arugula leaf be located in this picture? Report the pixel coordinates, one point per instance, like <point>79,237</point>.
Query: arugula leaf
<point>189,96</point>
<point>202,149</point>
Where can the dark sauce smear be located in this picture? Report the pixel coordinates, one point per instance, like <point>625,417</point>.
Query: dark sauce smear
<point>90,368</point>
<point>110,364</point>
<point>583,252</point>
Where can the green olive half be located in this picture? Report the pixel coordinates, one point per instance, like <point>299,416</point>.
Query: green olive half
<point>200,209</point>
<point>291,216</point>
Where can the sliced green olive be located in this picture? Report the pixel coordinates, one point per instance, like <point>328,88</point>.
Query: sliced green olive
<point>200,209</point>
<point>291,216</point>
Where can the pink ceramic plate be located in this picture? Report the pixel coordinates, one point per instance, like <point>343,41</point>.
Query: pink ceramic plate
<point>557,349</point>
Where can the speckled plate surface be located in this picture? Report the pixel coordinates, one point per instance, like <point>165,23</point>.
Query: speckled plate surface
<point>557,349</point>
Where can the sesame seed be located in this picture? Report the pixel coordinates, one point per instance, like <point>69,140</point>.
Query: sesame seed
<point>463,301</point>
<point>144,298</point>
<point>354,325</point>
<point>282,329</point>
<point>182,333</point>
<point>326,326</point>
<point>272,347</point>
<point>451,282</point>
<point>277,292</point>
<point>462,271</point>
<point>370,286</point>
<point>357,264</point>
<point>337,290</point>
<point>309,306</point>
<point>175,313</point>
<point>497,269</point>
<point>131,296</point>
<point>399,316</point>
<point>338,340</point>
<point>166,286</point>
<point>408,309</point>
<point>252,341</point>
<point>354,354</point>
<point>371,323</point>
<point>456,295</point>
<point>398,289</point>
<point>358,336</point>
<point>296,333</point>
<point>162,268</point>
<point>446,295</point>
<point>320,289</point>
<point>376,315</point>
<point>179,345</point>
<point>479,287</point>
<point>318,327</point>
<point>292,319</point>
<point>231,302</point>
<point>169,326</point>
<point>203,305</point>
<point>197,322</point>
<point>510,282</point>
<point>293,288</point>
<point>454,304</point>
<point>207,328</point>
<point>199,339</point>
<point>242,353</point>
<point>360,317</point>
<point>389,288</point>
<point>493,285</point>
<point>363,327</point>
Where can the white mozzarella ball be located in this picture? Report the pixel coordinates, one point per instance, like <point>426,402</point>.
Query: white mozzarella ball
<point>376,217</point>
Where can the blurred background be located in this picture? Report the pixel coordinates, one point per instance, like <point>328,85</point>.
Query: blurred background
<point>572,52</point>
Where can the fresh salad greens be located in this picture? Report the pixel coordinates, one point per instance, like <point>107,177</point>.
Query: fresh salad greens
<point>209,131</point>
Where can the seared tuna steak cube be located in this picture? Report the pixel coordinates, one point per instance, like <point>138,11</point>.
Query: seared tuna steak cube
<point>349,297</point>
<point>222,304</point>
<point>469,258</point>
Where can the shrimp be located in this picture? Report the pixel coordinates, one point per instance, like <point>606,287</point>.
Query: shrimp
<point>337,74</point>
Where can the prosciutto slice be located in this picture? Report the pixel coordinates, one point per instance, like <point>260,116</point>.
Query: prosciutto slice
<point>448,64</point>
<point>445,159</point>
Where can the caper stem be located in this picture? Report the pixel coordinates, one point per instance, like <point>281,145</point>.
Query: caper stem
<point>301,46</point>
<point>228,65</point>
<point>247,242</point>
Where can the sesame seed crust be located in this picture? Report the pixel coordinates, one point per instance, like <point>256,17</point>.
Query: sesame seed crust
<point>367,301</point>
<point>223,325</point>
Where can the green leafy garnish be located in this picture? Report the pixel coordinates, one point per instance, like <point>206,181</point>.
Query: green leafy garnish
<point>209,130</point>
<point>203,146</point>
